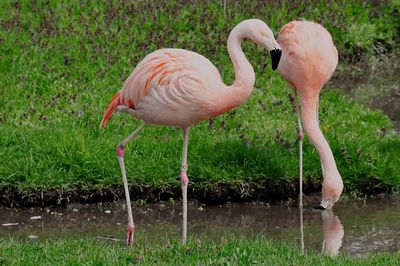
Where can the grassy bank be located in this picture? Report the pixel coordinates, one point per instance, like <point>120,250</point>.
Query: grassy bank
<point>228,252</point>
<point>61,63</point>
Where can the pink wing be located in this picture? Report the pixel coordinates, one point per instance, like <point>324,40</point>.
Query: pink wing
<point>158,70</point>
<point>166,80</point>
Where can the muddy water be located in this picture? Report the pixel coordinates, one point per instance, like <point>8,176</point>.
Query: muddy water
<point>353,228</point>
<point>375,84</point>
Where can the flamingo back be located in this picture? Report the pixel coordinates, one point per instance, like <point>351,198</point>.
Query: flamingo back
<point>309,56</point>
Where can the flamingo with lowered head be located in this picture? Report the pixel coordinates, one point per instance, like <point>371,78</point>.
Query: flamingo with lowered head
<point>309,59</point>
<point>179,88</point>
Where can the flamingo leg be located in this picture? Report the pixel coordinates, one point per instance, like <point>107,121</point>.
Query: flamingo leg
<point>184,183</point>
<point>130,230</point>
<point>301,229</point>
<point>300,136</point>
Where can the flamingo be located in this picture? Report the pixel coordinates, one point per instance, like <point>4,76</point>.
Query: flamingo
<point>333,232</point>
<point>179,88</point>
<point>309,59</point>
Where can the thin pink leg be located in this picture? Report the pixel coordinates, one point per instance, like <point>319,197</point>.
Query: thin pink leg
<point>184,183</point>
<point>130,230</point>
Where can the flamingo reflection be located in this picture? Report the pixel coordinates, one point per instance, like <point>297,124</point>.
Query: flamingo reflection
<point>333,231</point>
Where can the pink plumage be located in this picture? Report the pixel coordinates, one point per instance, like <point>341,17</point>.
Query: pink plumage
<point>179,88</point>
<point>175,87</point>
<point>308,61</point>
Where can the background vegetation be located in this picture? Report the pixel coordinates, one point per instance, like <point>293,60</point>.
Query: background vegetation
<point>61,62</point>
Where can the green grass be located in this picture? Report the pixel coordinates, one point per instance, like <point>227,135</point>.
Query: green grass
<point>61,62</point>
<point>231,251</point>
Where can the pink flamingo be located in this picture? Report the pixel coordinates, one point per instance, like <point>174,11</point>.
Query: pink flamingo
<point>309,59</point>
<point>179,88</point>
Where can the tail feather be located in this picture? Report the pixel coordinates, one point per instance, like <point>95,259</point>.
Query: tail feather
<point>115,101</point>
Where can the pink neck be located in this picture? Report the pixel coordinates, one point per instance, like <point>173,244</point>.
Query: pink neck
<point>245,77</point>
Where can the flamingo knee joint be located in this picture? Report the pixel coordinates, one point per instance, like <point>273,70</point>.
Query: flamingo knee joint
<point>120,152</point>
<point>184,177</point>
<point>300,133</point>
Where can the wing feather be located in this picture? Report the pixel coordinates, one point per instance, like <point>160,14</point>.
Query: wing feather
<point>161,70</point>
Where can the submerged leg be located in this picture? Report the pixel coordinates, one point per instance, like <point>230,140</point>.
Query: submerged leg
<point>301,229</point>
<point>184,183</point>
<point>300,136</point>
<point>120,155</point>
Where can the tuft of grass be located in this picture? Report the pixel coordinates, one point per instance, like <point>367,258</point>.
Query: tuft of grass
<point>61,62</point>
<point>230,251</point>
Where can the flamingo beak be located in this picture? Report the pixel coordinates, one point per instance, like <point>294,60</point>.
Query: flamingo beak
<point>275,57</point>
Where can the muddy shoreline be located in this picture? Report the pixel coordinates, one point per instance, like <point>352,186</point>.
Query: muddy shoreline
<point>211,194</point>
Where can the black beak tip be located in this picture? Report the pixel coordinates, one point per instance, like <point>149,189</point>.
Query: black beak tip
<point>319,208</point>
<point>275,57</point>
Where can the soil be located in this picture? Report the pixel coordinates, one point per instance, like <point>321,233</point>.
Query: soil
<point>213,194</point>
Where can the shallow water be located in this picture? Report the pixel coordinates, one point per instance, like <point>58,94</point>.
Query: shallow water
<point>352,228</point>
<point>376,85</point>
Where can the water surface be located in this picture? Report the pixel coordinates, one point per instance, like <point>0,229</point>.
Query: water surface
<point>353,228</point>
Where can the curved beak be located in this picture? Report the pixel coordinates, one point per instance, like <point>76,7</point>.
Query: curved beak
<point>275,57</point>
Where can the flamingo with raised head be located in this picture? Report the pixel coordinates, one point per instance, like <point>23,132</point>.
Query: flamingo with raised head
<point>179,88</point>
<point>309,59</point>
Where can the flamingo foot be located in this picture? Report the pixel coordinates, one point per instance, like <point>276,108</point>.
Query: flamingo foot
<point>130,235</point>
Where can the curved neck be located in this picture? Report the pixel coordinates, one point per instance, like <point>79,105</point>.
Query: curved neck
<point>245,77</point>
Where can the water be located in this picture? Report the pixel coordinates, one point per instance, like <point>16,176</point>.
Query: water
<point>353,228</point>
<point>376,85</point>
